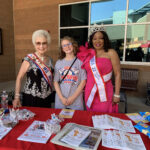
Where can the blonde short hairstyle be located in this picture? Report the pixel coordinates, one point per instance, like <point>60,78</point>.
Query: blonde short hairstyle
<point>41,33</point>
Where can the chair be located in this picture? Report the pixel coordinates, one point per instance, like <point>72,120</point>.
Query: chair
<point>148,94</point>
<point>129,81</point>
<point>123,98</point>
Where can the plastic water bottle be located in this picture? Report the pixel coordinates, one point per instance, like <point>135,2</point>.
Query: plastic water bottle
<point>4,100</point>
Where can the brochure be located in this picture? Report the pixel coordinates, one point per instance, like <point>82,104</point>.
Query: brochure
<point>145,115</point>
<point>143,128</point>
<point>75,137</point>
<point>87,138</point>
<point>136,117</point>
<point>66,113</point>
<point>122,140</point>
<point>4,131</point>
<point>35,133</point>
<point>6,124</point>
<point>109,122</point>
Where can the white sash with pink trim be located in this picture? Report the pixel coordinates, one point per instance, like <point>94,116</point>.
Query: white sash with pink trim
<point>99,83</point>
<point>46,71</point>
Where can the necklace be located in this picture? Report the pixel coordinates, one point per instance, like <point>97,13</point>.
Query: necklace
<point>41,57</point>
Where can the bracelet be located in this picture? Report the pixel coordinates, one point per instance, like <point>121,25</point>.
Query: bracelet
<point>115,95</point>
<point>17,98</point>
<point>17,94</point>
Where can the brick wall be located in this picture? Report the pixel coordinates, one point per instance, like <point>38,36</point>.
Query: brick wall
<point>7,59</point>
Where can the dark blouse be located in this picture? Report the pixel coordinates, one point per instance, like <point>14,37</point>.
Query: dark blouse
<point>35,84</point>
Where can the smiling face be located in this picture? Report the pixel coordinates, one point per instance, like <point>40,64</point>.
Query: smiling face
<point>98,41</point>
<point>67,47</point>
<point>41,45</point>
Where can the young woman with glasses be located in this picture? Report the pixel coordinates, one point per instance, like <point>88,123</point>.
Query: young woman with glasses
<point>69,82</point>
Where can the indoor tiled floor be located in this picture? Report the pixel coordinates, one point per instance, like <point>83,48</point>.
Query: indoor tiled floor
<point>135,103</point>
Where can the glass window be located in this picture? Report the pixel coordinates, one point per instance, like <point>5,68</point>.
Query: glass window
<point>116,36</point>
<point>74,15</point>
<point>130,39</point>
<point>108,12</point>
<point>139,11</point>
<point>138,37</point>
<point>80,35</point>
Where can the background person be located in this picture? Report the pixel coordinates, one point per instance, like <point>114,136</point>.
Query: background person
<point>70,90</point>
<point>139,54</point>
<point>99,60</point>
<point>38,68</point>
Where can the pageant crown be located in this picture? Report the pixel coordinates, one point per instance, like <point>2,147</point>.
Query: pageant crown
<point>94,28</point>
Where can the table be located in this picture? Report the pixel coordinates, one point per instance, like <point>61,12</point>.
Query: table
<point>10,142</point>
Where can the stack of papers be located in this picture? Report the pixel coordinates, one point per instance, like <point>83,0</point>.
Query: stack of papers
<point>121,140</point>
<point>35,133</point>
<point>136,117</point>
<point>109,122</point>
<point>4,131</point>
<point>7,123</point>
<point>75,137</point>
<point>78,137</point>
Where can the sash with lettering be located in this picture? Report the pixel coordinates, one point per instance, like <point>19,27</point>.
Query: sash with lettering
<point>46,72</point>
<point>99,83</point>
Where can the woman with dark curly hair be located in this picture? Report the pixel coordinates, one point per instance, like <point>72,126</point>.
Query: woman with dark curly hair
<point>99,61</point>
<point>69,81</point>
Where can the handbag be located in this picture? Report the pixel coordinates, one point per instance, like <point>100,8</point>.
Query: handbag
<point>67,71</point>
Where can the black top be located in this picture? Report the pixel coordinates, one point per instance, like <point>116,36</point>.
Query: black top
<point>35,84</point>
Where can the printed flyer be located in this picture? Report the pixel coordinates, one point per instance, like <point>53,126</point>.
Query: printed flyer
<point>136,117</point>
<point>109,122</point>
<point>82,137</point>
<point>122,140</point>
<point>66,113</point>
<point>35,133</point>
<point>4,131</point>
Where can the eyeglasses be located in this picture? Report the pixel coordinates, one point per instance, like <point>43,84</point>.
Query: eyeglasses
<point>66,45</point>
<point>40,43</point>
